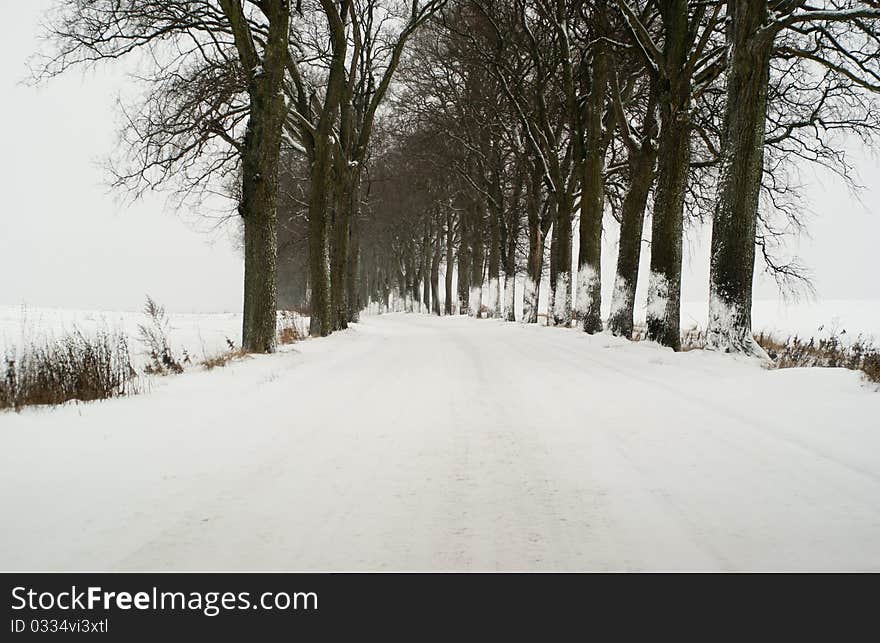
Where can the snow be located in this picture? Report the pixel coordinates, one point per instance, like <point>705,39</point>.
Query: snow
<point>453,444</point>
<point>725,330</point>
<point>587,278</point>
<point>509,295</point>
<point>475,301</point>
<point>494,302</point>
<point>620,297</point>
<point>562,296</point>
<point>529,292</point>
<point>658,296</point>
<point>200,334</point>
<point>805,318</point>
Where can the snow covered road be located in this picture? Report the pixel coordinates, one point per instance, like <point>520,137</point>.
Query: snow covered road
<point>412,442</point>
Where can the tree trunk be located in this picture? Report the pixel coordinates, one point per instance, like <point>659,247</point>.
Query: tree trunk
<point>510,269</point>
<point>464,263</point>
<point>409,278</point>
<point>630,246</point>
<point>426,273</point>
<point>355,298</point>
<point>435,270</point>
<point>493,305</point>
<point>589,284</point>
<point>554,251</point>
<point>415,268</point>
<point>339,255</point>
<point>664,284</point>
<point>475,296</point>
<point>509,238</point>
<point>321,323</point>
<point>535,261</point>
<point>641,159</point>
<point>742,159</point>
<point>258,328</point>
<point>561,255</point>
<point>399,297</point>
<point>534,273</point>
<point>258,206</point>
<point>450,251</point>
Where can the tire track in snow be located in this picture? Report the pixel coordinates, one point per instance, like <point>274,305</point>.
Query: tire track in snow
<point>773,455</point>
<point>413,442</point>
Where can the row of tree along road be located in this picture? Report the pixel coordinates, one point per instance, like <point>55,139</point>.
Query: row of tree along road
<point>370,143</point>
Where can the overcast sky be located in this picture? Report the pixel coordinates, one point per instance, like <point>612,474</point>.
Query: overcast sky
<point>66,241</point>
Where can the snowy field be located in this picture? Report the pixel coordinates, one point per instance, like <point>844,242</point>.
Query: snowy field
<point>206,334</point>
<point>805,319</point>
<point>201,335</point>
<point>412,442</point>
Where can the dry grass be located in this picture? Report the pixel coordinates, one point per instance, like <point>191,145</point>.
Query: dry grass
<point>75,366</point>
<point>835,351</point>
<point>290,327</point>
<point>288,336</point>
<point>85,367</point>
<point>859,354</point>
<point>290,330</point>
<point>154,337</point>
<point>871,367</point>
<point>222,359</point>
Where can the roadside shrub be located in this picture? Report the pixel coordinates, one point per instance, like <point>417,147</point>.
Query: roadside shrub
<point>833,351</point>
<point>154,337</point>
<point>222,359</point>
<point>693,338</point>
<point>829,352</point>
<point>871,366</point>
<point>290,327</point>
<point>73,367</point>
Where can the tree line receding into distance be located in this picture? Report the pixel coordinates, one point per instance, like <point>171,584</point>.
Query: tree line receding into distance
<point>373,145</point>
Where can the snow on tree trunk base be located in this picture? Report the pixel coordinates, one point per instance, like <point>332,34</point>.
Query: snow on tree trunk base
<point>510,297</point>
<point>662,315</point>
<point>494,304</point>
<point>589,299</point>
<point>562,300</point>
<point>530,301</point>
<point>620,321</point>
<point>730,330</point>
<point>475,301</point>
<point>658,299</point>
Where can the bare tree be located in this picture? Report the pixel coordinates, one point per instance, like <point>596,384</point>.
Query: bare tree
<point>214,110</point>
<point>841,37</point>
<point>684,64</point>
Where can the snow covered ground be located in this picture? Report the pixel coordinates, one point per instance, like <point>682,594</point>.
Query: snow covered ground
<point>805,318</point>
<point>206,334</point>
<point>412,442</point>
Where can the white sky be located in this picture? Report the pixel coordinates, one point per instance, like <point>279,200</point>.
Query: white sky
<point>66,241</point>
